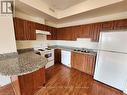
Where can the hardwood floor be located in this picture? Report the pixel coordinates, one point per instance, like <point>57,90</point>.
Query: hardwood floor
<point>61,80</point>
<point>6,90</point>
<point>64,81</point>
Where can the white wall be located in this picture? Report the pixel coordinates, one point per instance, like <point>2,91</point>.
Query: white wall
<point>84,7</point>
<point>30,18</point>
<point>50,23</point>
<point>7,41</point>
<point>34,19</point>
<point>116,16</point>
<point>81,43</point>
<point>7,37</point>
<point>125,90</point>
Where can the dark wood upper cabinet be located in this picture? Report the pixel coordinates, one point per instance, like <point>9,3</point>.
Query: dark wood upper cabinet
<point>68,34</point>
<point>19,28</point>
<point>85,31</point>
<point>107,25</point>
<point>39,26</point>
<point>95,31</point>
<point>77,31</point>
<point>60,33</point>
<point>90,30</point>
<point>24,30</point>
<point>120,24</point>
<point>29,30</point>
<point>53,32</point>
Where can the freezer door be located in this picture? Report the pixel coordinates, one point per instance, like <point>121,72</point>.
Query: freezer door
<point>113,41</point>
<point>111,69</point>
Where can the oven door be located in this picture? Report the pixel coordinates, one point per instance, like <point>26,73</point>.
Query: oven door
<point>49,55</point>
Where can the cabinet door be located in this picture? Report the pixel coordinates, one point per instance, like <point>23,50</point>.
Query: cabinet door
<point>90,64</point>
<point>40,26</point>
<point>85,31</point>
<point>33,31</point>
<point>19,28</point>
<point>77,61</point>
<point>49,29</point>
<point>29,84</point>
<point>60,34</point>
<point>68,34</point>
<point>95,31</point>
<point>38,79</point>
<point>57,54</point>
<point>53,35</point>
<point>24,30</point>
<point>108,25</point>
<point>27,26</point>
<point>121,24</point>
<point>29,30</point>
<point>77,31</point>
<point>83,62</point>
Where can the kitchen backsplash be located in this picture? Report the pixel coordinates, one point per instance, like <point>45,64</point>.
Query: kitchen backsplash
<point>81,43</point>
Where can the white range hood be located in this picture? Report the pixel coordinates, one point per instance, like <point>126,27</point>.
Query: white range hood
<point>41,32</point>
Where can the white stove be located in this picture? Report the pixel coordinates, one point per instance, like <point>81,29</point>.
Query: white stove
<point>47,53</point>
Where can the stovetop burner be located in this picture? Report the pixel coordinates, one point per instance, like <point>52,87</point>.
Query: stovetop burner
<point>47,48</point>
<point>41,50</point>
<point>82,50</point>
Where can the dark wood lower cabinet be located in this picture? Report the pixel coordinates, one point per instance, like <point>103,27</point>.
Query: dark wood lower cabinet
<point>83,62</point>
<point>30,83</point>
<point>57,55</point>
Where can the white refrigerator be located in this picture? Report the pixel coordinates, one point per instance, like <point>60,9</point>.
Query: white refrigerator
<point>111,63</point>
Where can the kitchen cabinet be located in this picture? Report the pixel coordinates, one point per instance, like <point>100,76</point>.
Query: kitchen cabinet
<point>109,25</point>
<point>120,24</point>
<point>77,61</point>
<point>95,31</point>
<point>85,31</point>
<point>72,33</point>
<point>29,30</point>
<point>83,62</point>
<point>68,34</point>
<point>19,28</point>
<point>60,33</point>
<point>40,26</point>
<point>29,84</point>
<point>77,30</point>
<point>24,30</point>
<point>57,55</point>
<point>52,30</point>
<point>53,35</point>
<point>96,28</point>
<point>89,30</point>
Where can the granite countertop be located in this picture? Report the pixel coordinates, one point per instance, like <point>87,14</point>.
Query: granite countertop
<point>20,64</point>
<point>67,48</point>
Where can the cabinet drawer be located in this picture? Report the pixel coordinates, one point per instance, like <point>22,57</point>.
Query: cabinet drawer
<point>83,62</point>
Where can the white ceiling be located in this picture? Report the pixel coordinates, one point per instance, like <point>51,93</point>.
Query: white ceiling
<point>68,11</point>
<point>62,4</point>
